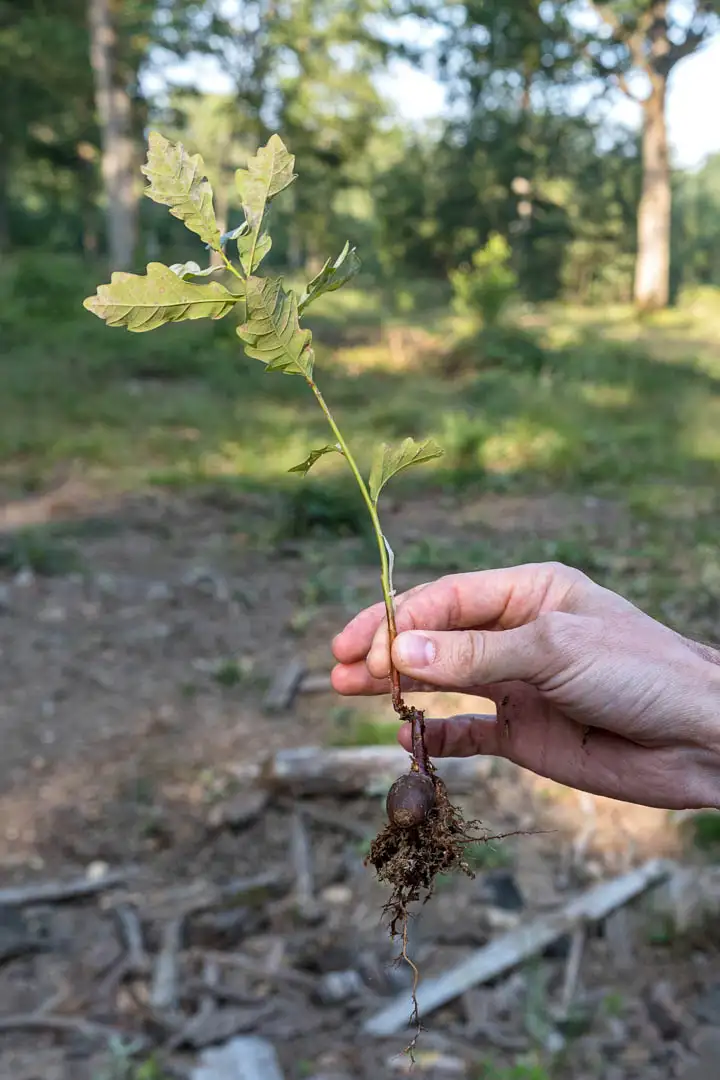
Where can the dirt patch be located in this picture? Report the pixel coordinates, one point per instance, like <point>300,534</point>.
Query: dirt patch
<point>128,686</point>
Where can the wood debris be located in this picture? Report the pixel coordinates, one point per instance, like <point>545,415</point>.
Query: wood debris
<point>519,945</point>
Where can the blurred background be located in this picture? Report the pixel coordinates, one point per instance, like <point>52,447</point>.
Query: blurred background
<point>534,190</point>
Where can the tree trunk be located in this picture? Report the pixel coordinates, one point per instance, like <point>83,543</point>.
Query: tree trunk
<point>652,269</point>
<point>114,109</point>
<point>4,203</point>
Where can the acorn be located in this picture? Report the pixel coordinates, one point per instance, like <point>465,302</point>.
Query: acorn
<point>410,800</point>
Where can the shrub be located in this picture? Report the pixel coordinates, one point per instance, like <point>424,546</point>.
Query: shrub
<point>485,286</point>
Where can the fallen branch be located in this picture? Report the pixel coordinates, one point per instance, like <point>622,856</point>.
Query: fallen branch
<point>67,1024</point>
<point>301,857</point>
<point>330,819</point>
<point>131,935</point>
<point>315,770</point>
<point>134,962</point>
<point>59,892</point>
<point>206,1007</point>
<point>197,896</point>
<point>572,970</point>
<point>282,690</point>
<point>513,948</point>
<point>164,986</point>
<point>281,975</point>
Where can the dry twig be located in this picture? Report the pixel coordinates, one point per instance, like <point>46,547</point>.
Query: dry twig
<point>513,948</point>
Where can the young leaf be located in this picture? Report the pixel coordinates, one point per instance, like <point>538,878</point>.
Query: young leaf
<point>266,175</point>
<point>389,460</point>
<point>178,180</point>
<point>146,302</point>
<point>191,269</point>
<point>246,251</point>
<point>332,276</point>
<point>234,233</point>
<point>271,331</point>
<point>305,466</point>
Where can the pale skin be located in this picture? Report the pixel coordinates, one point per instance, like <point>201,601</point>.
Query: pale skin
<point>590,691</point>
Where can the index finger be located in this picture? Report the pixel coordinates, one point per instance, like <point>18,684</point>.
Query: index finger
<point>484,600</point>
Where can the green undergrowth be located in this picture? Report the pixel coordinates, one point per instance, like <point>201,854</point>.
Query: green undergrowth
<point>611,407</point>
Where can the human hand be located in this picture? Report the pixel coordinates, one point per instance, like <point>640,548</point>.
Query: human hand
<point>590,691</point>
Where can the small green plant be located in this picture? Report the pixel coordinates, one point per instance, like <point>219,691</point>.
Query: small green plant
<point>426,834</point>
<point>485,285</point>
<point>519,1071</point>
<point>39,551</point>
<point>354,728</point>
<point>124,1065</point>
<point>704,827</point>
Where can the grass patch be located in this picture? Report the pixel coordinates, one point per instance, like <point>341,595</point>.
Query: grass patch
<point>353,728</point>
<point>704,831</point>
<point>519,1071</point>
<point>593,402</point>
<point>39,550</point>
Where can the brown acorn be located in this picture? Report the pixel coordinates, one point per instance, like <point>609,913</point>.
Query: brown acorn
<point>410,800</point>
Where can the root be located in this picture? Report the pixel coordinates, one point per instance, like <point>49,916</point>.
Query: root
<point>424,837</point>
<point>409,860</point>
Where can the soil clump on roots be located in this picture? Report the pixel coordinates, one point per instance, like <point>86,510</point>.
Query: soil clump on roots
<point>426,834</point>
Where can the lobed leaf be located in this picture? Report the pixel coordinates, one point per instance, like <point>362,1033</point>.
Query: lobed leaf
<point>332,276</point>
<point>305,466</point>
<point>268,173</point>
<point>389,460</point>
<point>192,269</point>
<point>251,248</point>
<point>272,332</point>
<point>178,180</point>
<point>144,302</point>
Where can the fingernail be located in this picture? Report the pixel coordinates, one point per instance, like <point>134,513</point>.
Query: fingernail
<point>415,650</point>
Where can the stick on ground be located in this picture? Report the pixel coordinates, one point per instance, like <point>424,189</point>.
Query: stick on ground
<point>513,948</point>
<point>316,770</point>
<point>58,892</point>
<point>69,1025</point>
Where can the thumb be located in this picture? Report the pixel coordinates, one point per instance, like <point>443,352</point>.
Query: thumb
<point>458,658</point>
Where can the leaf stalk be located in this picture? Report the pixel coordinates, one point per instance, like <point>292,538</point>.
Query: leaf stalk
<point>385,575</point>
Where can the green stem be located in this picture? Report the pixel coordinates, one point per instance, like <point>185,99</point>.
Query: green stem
<point>230,265</point>
<point>385,576</point>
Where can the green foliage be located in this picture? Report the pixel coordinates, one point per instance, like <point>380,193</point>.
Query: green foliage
<point>388,461</point>
<point>305,466</point>
<point>486,286</point>
<point>39,551</point>
<point>178,180</point>
<point>355,729</point>
<point>229,673</point>
<point>268,173</point>
<point>520,1071</point>
<point>704,827</point>
<point>123,1064</point>
<point>144,303</point>
<point>507,347</point>
<point>272,332</point>
<point>252,250</point>
<point>332,276</point>
<point>312,510</point>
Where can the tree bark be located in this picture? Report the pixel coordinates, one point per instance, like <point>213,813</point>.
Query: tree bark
<point>4,203</point>
<point>114,109</point>
<point>652,269</point>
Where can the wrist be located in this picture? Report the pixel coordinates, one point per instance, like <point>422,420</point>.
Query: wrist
<point>709,694</point>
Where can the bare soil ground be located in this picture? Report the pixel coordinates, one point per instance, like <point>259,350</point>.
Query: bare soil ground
<point>130,686</point>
